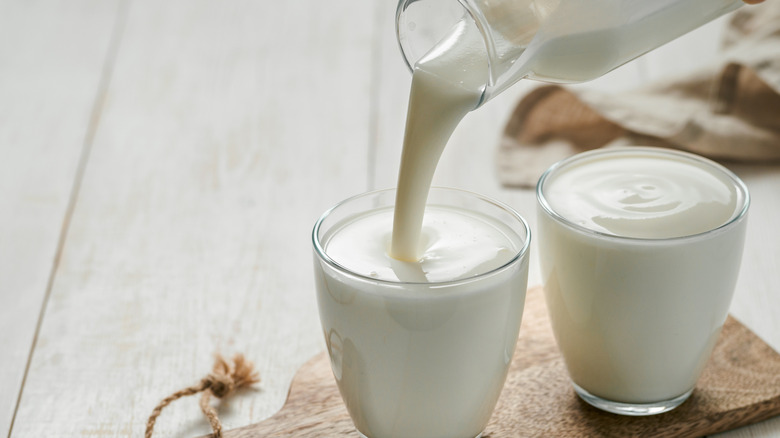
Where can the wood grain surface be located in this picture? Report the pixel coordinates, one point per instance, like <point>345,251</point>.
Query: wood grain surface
<point>48,106</point>
<point>161,166</point>
<point>206,171</point>
<point>740,386</point>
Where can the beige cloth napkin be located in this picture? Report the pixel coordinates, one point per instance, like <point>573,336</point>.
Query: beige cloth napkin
<point>729,110</point>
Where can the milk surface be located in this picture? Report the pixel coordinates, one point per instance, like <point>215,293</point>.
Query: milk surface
<point>454,244</point>
<point>643,195</point>
<point>636,317</point>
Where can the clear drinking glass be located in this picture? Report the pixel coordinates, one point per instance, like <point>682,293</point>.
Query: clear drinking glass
<point>562,41</point>
<point>636,319</point>
<point>420,359</point>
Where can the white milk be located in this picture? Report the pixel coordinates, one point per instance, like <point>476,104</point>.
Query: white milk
<point>421,338</point>
<point>567,41</point>
<point>455,244</point>
<point>643,195</point>
<point>427,357</point>
<point>636,317</point>
<point>579,41</point>
<point>447,83</point>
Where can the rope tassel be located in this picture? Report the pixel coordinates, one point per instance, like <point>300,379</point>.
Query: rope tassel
<point>224,379</point>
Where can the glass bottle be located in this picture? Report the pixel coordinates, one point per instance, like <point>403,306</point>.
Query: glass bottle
<point>562,41</point>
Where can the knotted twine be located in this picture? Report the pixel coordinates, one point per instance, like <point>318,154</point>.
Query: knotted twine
<point>221,382</point>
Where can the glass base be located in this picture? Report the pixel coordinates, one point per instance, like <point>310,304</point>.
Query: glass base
<point>360,434</point>
<point>633,409</point>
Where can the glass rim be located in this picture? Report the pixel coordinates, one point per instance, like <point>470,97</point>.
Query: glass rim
<point>737,216</point>
<point>519,255</point>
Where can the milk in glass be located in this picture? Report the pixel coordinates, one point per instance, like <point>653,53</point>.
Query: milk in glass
<point>640,250</point>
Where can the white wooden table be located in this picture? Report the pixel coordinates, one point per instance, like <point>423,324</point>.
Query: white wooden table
<point>161,166</point>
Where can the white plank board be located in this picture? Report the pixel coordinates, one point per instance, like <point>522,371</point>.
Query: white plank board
<point>52,55</point>
<point>757,298</point>
<point>228,128</point>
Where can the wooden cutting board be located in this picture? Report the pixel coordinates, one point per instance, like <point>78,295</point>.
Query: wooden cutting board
<point>740,386</point>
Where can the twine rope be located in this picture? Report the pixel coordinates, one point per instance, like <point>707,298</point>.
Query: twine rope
<point>223,380</point>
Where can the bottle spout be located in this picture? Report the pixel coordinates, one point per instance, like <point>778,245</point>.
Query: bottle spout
<point>487,37</point>
<point>439,35</point>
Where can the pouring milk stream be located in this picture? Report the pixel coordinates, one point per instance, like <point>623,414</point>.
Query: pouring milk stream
<point>495,43</point>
